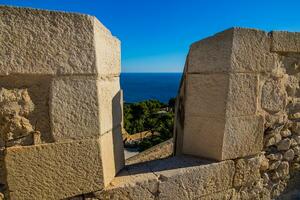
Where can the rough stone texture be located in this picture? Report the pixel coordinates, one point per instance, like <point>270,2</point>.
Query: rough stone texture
<point>233,50</point>
<point>187,178</point>
<point>78,99</point>
<point>247,171</point>
<point>221,104</point>
<point>160,151</point>
<point>64,43</point>
<point>283,41</point>
<point>243,136</point>
<point>15,107</point>
<point>173,178</point>
<point>38,89</point>
<point>134,182</point>
<point>54,171</point>
<point>112,154</point>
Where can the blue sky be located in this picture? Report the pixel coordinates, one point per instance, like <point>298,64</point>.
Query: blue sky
<point>156,34</point>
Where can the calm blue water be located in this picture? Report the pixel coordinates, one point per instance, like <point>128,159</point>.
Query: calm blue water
<point>142,86</point>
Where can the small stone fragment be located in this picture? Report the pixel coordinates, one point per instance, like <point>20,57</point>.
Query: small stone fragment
<point>276,156</point>
<point>286,133</point>
<point>278,138</point>
<point>264,164</point>
<point>271,141</point>
<point>296,150</point>
<point>289,155</point>
<point>293,142</point>
<point>296,128</point>
<point>274,165</point>
<point>297,138</point>
<point>284,144</point>
<point>295,116</point>
<point>265,178</point>
<point>283,169</point>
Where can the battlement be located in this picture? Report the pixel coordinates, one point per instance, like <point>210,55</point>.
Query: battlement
<point>236,135</point>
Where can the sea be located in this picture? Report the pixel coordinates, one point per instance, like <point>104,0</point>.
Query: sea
<point>138,87</point>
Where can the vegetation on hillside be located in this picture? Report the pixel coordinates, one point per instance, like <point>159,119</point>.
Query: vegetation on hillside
<point>150,115</point>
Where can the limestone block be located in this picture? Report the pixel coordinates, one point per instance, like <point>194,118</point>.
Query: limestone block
<point>233,50</point>
<point>243,136</point>
<point>183,178</point>
<point>201,138</point>
<point>74,108</point>
<point>107,49</point>
<point>217,95</point>
<point>224,195</point>
<point>54,171</point>
<point>242,95</point>
<point>133,182</point>
<point>247,171</point>
<point>273,97</point>
<point>283,41</point>
<point>110,104</point>
<point>251,51</point>
<point>112,154</point>
<point>46,42</point>
<point>211,54</point>
<point>206,95</point>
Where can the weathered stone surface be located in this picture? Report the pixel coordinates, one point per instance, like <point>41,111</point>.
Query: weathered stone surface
<point>110,104</point>
<point>285,41</point>
<point>224,195</point>
<point>202,139</point>
<point>15,107</point>
<point>247,171</point>
<point>233,50</point>
<point>251,51</point>
<point>107,49</point>
<point>112,154</point>
<point>211,54</point>
<point>160,151</point>
<point>38,88</point>
<point>284,144</point>
<point>273,98</point>
<point>243,136</point>
<point>206,95</point>
<point>242,95</point>
<point>185,178</point>
<point>65,43</point>
<point>135,182</point>
<point>54,171</point>
<point>74,109</point>
<point>289,155</point>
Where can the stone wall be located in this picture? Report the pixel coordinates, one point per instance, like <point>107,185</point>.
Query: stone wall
<point>237,126</point>
<point>60,104</point>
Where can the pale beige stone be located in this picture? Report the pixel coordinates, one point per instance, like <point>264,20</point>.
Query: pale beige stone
<point>224,195</point>
<point>273,97</point>
<point>110,102</point>
<point>247,171</point>
<point>188,178</point>
<point>54,171</point>
<point>107,49</point>
<point>211,54</point>
<point>233,50</point>
<point>243,136</point>
<point>203,137</point>
<point>133,182</point>
<point>206,95</point>
<point>283,41</point>
<point>74,108</point>
<point>64,43</point>
<point>242,95</point>
<point>251,51</point>
<point>112,154</point>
